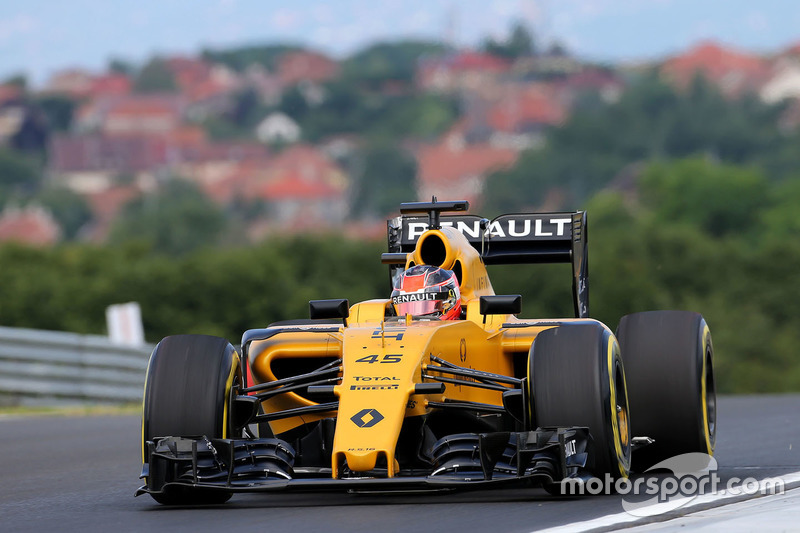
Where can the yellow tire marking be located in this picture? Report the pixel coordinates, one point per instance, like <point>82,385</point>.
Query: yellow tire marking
<point>612,344</point>
<point>228,387</point>
<point>704,394</point>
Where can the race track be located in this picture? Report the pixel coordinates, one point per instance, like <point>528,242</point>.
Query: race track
<point>80,473</point>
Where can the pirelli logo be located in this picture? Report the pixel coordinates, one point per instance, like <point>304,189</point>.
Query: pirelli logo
<point>374,387</point>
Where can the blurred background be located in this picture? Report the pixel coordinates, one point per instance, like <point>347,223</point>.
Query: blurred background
<point>222,164</point>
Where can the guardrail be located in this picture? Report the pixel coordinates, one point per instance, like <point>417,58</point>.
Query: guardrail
<point>53,368</point>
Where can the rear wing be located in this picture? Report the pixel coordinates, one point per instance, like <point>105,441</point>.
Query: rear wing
<point>522,238</point>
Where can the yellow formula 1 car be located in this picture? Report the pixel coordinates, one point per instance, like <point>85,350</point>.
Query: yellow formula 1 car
<point>439,386</point>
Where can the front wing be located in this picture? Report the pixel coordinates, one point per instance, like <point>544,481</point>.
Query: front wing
<point>466,461</point>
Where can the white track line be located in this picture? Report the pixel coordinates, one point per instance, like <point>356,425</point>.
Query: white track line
<point>618,519</point>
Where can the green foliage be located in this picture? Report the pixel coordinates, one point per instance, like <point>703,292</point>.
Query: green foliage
<point>177,219</point>
<point>155,77</point>
<point>651,251</point>
<point>58,109</point>
<point>520,43</point>
<point>780,221</point>
<point>388,62</point>
<point>69,208</point>
<point>650,121</point>
<point>121,66</point>
<point>372,96</point>
<point>240,58</point>
<point>20,175</point>
<point>294,103</point>
<point>719,199</point>
<point>20,80</point>
<point>352,110</point>
<point>240,121</point>
<point>385,173</point>
<point>210,291</point>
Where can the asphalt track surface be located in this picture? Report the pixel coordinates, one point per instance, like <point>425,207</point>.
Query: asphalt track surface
<point>80,473</point>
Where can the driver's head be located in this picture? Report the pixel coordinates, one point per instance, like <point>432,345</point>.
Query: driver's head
<point>429,291</point>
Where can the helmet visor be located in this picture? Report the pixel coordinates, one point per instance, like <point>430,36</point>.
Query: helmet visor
<point>419,303</point>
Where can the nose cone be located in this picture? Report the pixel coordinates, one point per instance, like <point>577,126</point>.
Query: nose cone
<point>369,424</point>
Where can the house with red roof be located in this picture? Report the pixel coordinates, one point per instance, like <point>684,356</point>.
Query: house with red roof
<point>784,80</point>
<point>519,119</point>
<point>72,82</point>
<point>304,188</point>
<point>225,171</point>
<point>131,114</point>
<point>207,88</point>
<point>90,163</point>
<point>143,115</point>
<point>10,93</point>
<point>188,71</point>
<point>732,71</point>
<point>109,85</point>
<point>32,225</point>
<point>462,70</point>
<point>305,66</point>
<point>454,169</point>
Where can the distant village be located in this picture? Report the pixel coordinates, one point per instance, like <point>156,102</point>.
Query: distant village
<point>121,144</point>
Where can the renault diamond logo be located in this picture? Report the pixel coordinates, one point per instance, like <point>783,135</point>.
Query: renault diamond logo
<point>366,418</point>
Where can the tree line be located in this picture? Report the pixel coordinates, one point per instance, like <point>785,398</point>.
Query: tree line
<point>697,235</point>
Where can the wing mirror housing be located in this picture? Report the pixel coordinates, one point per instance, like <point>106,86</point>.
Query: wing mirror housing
<point>507,304</point>
<point>336,308</point>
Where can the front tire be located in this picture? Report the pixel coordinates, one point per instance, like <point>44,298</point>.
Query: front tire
<point>188,392</point>
<point>669,363</point>
<point>577,379</point>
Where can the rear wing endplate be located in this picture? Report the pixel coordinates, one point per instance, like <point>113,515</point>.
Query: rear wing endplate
<point>523,238</point>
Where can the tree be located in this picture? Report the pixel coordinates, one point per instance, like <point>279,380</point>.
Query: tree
<point>385,62</point>
<point>19,80</point>
<point>719,199</point>
<point>69,208</point>
<point>386,176</point>
<point>175,220</point>
<point>20,176</point>
<point>121,66</point>
<point>650,121</point>
<point>294,104</point>
<point>247,109</point>
<point>155,77</point>
<point>518,44</point>
<point>58,109</point>
<point>780,221</point>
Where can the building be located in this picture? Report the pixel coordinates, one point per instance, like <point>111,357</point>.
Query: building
<point>461,71</point>
<point>278,128</point>
<point>32,225</point>
<point>734,72</point>
<point>305,66</point>
<point>454,169</point>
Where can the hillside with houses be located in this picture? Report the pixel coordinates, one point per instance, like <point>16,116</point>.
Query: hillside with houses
<point>283,139</point>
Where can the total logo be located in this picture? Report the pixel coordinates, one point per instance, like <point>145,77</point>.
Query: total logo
<point>366,418</point>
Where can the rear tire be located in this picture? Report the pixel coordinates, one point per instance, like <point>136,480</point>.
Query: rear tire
<point>669,364</point>
<point>577,379</point>
<point>188,392</point>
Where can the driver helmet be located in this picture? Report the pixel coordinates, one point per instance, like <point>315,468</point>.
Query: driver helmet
<point>428,291</point>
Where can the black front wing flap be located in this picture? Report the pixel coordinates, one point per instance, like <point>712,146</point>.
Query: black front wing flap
<point>465,461</point>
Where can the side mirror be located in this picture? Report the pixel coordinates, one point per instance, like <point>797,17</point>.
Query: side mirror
<point>337,308</point>
<point>509,304</point>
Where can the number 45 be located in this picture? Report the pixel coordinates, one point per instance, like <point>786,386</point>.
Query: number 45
<point>388,358</point>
